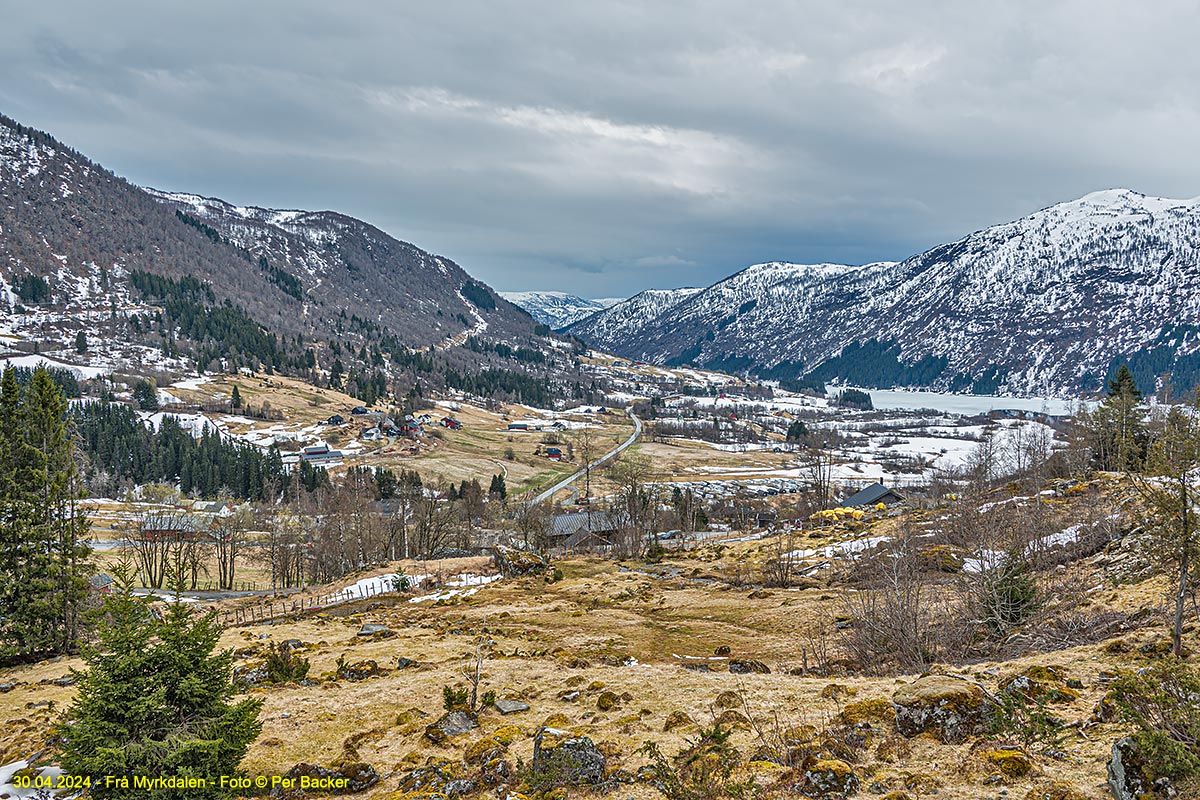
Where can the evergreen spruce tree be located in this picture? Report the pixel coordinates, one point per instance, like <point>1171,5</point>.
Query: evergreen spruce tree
<point>1119,426</point>
<point>235,400</point>
<point>52,485</point>
<point>81,343</point>
<point>16,547</point>
<point>156,700</point>
<point>42,559</point>
<point>498,489</point>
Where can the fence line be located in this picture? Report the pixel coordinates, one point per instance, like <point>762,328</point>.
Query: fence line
<point>250,615</point>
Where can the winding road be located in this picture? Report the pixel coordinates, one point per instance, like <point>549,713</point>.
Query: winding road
<point>565,482</point>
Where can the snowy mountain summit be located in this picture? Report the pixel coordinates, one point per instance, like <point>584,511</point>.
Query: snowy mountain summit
<point>557,309</point>
<point>1051,302</point>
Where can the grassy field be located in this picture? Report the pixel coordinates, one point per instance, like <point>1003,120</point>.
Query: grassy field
<point>628,628</point>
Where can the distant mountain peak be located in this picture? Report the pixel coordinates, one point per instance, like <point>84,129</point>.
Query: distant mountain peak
<point>556,309</point>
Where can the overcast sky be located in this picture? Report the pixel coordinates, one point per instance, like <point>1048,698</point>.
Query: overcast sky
<point>607,147</point>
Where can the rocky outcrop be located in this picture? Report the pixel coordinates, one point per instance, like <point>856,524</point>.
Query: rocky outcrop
<point>246,676</point>
<point>345,778</point>
<point>1041,684</point>
<point>951,709</point>
<point>1128,776</point>
<point>449,725</point>
<point>511,562</point>
<point>360,670</point>
<point>376,631</point>
<point>567,760</point>
<point>828,778</point>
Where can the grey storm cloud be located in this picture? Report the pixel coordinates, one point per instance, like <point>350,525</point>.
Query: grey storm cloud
<point>604,148</point>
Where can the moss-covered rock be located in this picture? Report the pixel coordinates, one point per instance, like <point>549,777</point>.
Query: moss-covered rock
<point>507,734</point>
<point>483,750</point>
<point>450,725</point>
<point>430,779</point>
<point>677,719</point>
<point>1055,791</point>
<point>561,759</point>
<point>360,670</point>
<point>877,710</point>
<point>1040,684</point>
<point>732,719</point>
<point>837,691</point>
<point>799,735</point>
<point>950,709</point>
<point>1009,761</point>
<point>941,557</point>
<point>512,562</point>
<point>607,701</point>
<point>728,699</point>
<point>557,721</point>
<point>828,778</point>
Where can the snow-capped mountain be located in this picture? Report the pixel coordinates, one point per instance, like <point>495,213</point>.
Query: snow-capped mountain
<point>1047,303</point>
<point>557,309</point>
<point>621,322</point>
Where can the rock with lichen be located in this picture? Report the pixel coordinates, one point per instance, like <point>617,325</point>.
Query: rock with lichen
<point>449,725</point>
<point>1040,684</point>
<point>511,561</point>
<point>562,759</point>
<point>827,778</point>
<point>950,709</point>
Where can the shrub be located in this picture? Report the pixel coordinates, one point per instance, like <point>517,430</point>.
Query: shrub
<point>1163,701</point>
<point>455,699</point>
<point>285,666</point>
<point>700,771</point>
<point>1027,721</point>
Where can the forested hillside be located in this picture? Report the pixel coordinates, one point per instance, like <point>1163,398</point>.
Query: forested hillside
<point>166,281</point>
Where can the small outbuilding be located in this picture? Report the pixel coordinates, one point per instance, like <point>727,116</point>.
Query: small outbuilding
<point>874,494</point>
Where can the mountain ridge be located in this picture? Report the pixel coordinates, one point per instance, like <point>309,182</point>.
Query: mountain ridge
<point>1049,302</point>
<point>557,309</point>
<point>80,235</point>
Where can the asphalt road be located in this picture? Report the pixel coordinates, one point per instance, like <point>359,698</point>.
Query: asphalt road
<point>565,482</point>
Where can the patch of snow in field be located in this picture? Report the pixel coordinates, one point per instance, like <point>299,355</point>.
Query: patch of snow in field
<point>33,362</point>
<point>195,424</point>
<point>192,383</point>
<point>459,586</point>
<point>378,584</point>
<point>841,548</point>
<point>166,597</point>
<point>9,770</point>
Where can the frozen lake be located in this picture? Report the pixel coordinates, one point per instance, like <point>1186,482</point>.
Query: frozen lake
<point>901,399</point>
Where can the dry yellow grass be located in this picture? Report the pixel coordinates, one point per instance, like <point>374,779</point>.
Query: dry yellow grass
<point>625,629</point>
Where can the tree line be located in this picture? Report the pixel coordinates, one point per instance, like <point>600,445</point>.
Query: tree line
<point>122,451</point>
